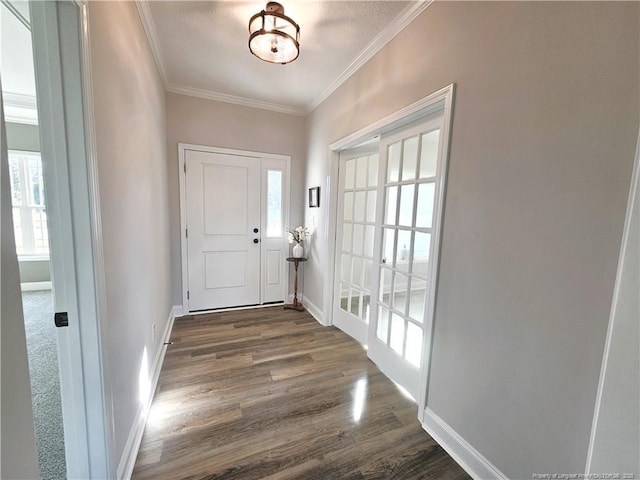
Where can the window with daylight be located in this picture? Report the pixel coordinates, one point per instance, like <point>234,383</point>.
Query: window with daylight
<point>27,199</point>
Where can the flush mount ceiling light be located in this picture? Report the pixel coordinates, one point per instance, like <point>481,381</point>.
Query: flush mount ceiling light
<point>274,37</point>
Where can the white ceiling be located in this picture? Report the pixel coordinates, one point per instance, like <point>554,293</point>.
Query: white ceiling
<point>201,48</point>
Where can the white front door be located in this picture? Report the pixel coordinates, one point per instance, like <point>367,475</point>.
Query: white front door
<point>235,210</point>
<point>223,230</point>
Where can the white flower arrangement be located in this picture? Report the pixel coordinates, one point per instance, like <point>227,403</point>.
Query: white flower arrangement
<point>298,234</point>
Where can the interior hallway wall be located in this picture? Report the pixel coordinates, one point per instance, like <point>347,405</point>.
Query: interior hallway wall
<point>130,122</point>
<point>217,124</point>
<point>544,131</point>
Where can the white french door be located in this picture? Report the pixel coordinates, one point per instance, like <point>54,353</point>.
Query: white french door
<point>234,210</point>
<point>388,201</point>
<point>358,185</point>
<point>405,274</point>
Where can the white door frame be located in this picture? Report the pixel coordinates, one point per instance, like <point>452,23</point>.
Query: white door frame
<point>67,136</point>
<point>182,148</point>
<point>440,100</point>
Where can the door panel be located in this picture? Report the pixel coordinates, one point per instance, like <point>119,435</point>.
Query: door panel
<point>410,160</point>
<point>358,180</point>
<point>223,209</point>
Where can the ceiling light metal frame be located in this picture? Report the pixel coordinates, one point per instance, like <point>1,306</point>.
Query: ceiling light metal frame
<point>275,10</point>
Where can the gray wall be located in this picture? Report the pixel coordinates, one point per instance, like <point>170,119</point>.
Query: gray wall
<point>616,446</point>
<point>17,438</point>
<point>216,124</point>
<point>132,169</point>
<point>544,129</point>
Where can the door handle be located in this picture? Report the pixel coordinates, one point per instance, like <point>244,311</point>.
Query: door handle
<point>255,230</point>
<point>255,240</point>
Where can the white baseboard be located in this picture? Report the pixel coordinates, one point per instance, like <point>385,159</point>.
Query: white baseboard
<point>313,310</point>
<point>178,311</point>
<point>460,450</point>
<point>131,448</point>
<point>34,286</point>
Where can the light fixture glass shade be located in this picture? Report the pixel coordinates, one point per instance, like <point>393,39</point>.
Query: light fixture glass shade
<point>274,37</point>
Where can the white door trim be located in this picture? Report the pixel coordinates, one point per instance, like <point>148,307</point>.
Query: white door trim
<point>182,148</point>
<point>440,100</point>
<point>67,134</point>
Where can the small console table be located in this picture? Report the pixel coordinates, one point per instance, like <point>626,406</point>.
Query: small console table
<point>296,305</point>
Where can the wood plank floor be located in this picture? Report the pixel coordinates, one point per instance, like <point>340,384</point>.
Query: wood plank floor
<point>271,394</point>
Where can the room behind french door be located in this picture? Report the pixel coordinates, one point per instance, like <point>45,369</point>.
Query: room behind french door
<point>234,209</point>
<point>388,198</point>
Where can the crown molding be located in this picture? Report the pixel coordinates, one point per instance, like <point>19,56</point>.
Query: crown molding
<point>394,27</point>
<point>223,97</point>
<point>152,37</point>
<point>20,108</point>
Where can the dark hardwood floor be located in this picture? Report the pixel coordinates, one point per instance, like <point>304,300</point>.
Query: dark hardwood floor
<point>271,394</point>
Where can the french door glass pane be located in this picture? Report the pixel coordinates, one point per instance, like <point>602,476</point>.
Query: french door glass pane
<point>391,198</point>
<point>347,231</point>
<point>382,332</point>
<point>368,271</point>
<point>393,162</point>
<point>366,306</point>
<point>349,173</point>
<point>397,333</point>
<point>385,286</point>
<point>360,202</point>
<point>274,203</point>
<point>355,302</point>
<point>400,284</point>
<point>371,206</point>
<point>387,245</point>
<point>373,170</point>
<point>410,158</point>
<point>429,154</point>
<point>346,268</point>
<point>406,205</point>
<point>356,271</point>
<point>426,193</point>
<point>348,206</point>
<point>416,299</point>
<point>358,231</point>
<point>368,240</point>
<point>403,250</point>
<point>421,246</point>
<point>413,352</point>
<point>361,172</point>
<point>344,296</point>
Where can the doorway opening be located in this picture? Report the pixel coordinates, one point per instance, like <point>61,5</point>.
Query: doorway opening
<point>31,235</point>
<point>234,207</point>
<point>389,180</point>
